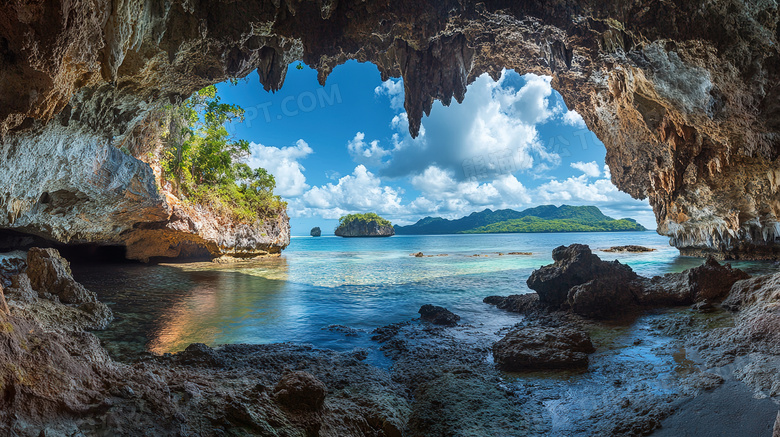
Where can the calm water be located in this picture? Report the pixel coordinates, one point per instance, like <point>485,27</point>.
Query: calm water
<point>356,283</point>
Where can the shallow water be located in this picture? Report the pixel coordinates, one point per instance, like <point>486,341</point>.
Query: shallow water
<point>361,284</point>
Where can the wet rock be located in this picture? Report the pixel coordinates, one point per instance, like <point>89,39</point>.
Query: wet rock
<point>708,282</point>
<point>604,298</point>
<point>776,430</point>
<point>418,255</point>
<point>315,232</point>
<point>300,391</point>
<point>538,347</point>
<point>50,273</point>
<point>574,265</point>
<point>199,354</point>
<point>630,248</point>
<point>438,315</point>
<point>517,303</point>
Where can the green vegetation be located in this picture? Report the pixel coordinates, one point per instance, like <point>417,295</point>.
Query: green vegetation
<point>203,162</point>
<point>368,217</point>
<point>535,224</point>
<point>545,218</point>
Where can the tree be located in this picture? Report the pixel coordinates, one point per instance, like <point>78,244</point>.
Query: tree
<point>204,162</point>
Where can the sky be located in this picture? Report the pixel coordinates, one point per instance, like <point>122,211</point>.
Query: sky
<point>345,147</point>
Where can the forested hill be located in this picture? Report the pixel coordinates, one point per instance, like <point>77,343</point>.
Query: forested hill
<point>545,218</point>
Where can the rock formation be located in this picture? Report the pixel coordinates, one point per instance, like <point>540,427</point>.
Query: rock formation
<point>365,229</point>
<point>538,347</point>
<point>438,315</point>
<point>315,232</point>
<point>684,96</point>
<point>581,282</point>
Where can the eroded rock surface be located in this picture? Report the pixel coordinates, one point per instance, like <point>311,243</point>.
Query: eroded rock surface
<point>438,315</point>
<point>684,96</point>
<point>540,347</point>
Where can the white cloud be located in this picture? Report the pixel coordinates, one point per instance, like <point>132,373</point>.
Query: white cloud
<point>283,164</point>
<point>394,89</point>
<point>591,169</point>
<point>573,118</point>
<point>369,154</point>
<point>359,192</point>
<point>494,128</point>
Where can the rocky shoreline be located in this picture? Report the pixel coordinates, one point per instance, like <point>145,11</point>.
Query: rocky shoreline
<point>568,373</point>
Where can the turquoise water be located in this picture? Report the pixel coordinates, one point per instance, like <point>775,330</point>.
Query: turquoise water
<point>360,284</point>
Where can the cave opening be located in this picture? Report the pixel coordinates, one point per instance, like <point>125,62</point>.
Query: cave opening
<point>345,147</point>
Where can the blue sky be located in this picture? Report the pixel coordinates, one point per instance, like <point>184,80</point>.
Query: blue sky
<point>345,148</point>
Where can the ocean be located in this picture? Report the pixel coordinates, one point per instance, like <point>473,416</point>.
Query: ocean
<point>332,292</point>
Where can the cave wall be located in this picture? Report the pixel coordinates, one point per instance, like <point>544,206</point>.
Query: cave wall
<point>685,95</point>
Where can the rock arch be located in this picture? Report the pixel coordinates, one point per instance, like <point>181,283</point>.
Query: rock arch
<point>685,95</point>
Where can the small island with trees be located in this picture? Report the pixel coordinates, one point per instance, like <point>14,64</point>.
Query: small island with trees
<point>364,225</point>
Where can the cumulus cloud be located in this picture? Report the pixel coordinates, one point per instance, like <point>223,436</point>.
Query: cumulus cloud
<point>573,118</point>
<point>369,154</point>
<point>394,89</point>
<point>358,192</point>
<point>591,169</point>
<point>492,133</point>
<point>283,164</point>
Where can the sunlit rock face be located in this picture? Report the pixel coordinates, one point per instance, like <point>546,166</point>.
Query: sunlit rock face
<point>685,95</point>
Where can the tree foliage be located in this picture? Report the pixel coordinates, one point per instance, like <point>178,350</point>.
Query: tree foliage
<point>531,224</point>
<point>363,218</point>
<point>204,163</point>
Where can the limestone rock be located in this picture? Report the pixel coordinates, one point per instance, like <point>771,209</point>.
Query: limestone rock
<point>684,96</point>
<point>574,265</point>
<point>50,273</point>
<point>369,229</point>
<point>438,315</point>
<point>315,232</point>
<point>537,347</point>
<point>300,391</point>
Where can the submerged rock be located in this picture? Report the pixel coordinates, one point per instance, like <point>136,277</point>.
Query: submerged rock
<point>538,347</point>
<point>517,303</point>
<point>438,315</point>
<point>630,248</point>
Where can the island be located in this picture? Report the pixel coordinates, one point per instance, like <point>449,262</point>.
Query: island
<point>364,225</point>
<point>315,232</point>
<point>545,218</point>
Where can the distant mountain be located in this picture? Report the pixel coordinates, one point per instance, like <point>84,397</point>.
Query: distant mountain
<point>545,218</point>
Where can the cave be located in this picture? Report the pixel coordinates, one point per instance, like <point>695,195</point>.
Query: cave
<point>682,94</point>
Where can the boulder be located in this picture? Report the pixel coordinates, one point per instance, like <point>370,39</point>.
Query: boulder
<point>537,347</point>
<point>316,232</point>
<point>603,298</point>
<point>574,265</point>
<point>438,315</point>
<point>630,248</point>
<point>516,303</point>
<point>300,391</point>
<point>710,282</point>
<point>50,273</point>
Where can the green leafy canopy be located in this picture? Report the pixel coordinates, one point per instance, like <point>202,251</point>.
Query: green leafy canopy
<point>203,162</point>
<point>363,218</point>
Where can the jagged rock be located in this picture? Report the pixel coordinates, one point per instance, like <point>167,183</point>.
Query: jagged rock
<point>709,282</point>
<point>581,282</point>
<point>438,315</point>
<point>517,303</point>
<point>630,248</point>
<point>537,347</point>
<point>316,232</point>
<point>3,303</point>
<point>684,96</point>
<point>367,229</point>
<point>300,391</point>
<point>574,265</point>
<point>50,273</point>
